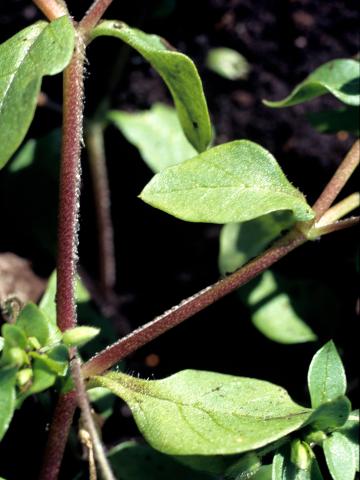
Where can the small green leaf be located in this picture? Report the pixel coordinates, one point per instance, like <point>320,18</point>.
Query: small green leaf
<point>56,359</point>
<point>338,77</point>
<point>131,461</point>
<point>240,242</point>
<point>273,312</point>
<point>178,72</point>
<point>77,336</point>
<point>204,413</point>
<point>44,377</point>
<point>333,121</point>
<point>34,323</point>
<point>39,50</point>
<point>24,376</point>
<point>157,134</point>
<point>227,63</point>
<point>331,415</point>
<point>14,336</point>
<point>326,376</point>
<point>351,431</point>
<point>7,398</point>
<point>234,182</point>
<point>340,457</point>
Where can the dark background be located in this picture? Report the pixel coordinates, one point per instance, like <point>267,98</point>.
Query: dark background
<point>161,260</point>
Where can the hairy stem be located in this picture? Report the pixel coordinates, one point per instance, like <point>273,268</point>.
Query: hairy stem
<point>93,15</point>
<point>97,160</point>
<point>341,176</point>
<point>58,434</point>
<point>188,307</point>
<point>89,424</point>
<point>70,188</point>
<point>339,210</point>
<point>52,9</point>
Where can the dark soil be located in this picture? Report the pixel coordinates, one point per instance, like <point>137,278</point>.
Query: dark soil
<point>161,260</point>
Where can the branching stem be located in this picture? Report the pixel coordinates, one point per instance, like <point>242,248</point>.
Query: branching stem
<point>339,179</point>
<point>339,210</point>
<point>94,15</point>
<point>188,307</point>
<point>52,9</point>
<point>89,424</point>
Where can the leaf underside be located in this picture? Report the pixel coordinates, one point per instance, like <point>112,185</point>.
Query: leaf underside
<point>178,72</point>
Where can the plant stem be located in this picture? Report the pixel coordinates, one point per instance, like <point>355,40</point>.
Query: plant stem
<point>317,232</point>
<point>70,188</point>
<point>93,15</point>
<point>84,405</point>
<point>58,434</point>
<point>339,210</point>
<point>188,307</point>
<point>52,9</point>
<point>97,160</point>
<point>339,179</point>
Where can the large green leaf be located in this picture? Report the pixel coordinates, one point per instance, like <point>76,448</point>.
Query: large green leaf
<point>326,376</point>
<point>157,134</point>
<point>331,415</point>
<point>273,312</point>
<point>41,49</point>
<point>234,182</point>
<point>178,72</point>
<point>7,398</point>
<point>204,413</point>
<point>131,461</point>
<point>339,77</point>
<point>240,242</point>
<point>340,457</point>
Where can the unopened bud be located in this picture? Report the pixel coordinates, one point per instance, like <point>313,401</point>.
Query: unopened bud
<point>75,337</point>
<point>301,454</point>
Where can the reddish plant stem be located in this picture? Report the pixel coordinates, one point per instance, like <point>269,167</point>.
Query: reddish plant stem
<point>339,179</point>
<point>94,15</point>
<point>58,434</point>
<point>97,161</point>
<point>52,9</point>
<point>187,308</point>
<point>70,188</point>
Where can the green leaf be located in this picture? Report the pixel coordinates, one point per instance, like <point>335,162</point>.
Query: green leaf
<point>339,457</point>
<point>264,473</point>
<point>332,121</point>
<point>273,312</point>
<point>1,344</point>
<point>339,77</point>
<point>34,323</point>
<point>351,431</point>
<point>326,376</point>
<point>14,335</point>
<point>131,461</point>
<point>204,413</point>
<point>331,415</point>
<point>227,63</point>
<point>56,359</point>
<point>234,182</point>
<point>240,242</point>
<point>39,50</point>
<point>178,72</point>
<point>7,398</point>
<point>44,377</point>
<point>157,134</point>
<point>77,336</point>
